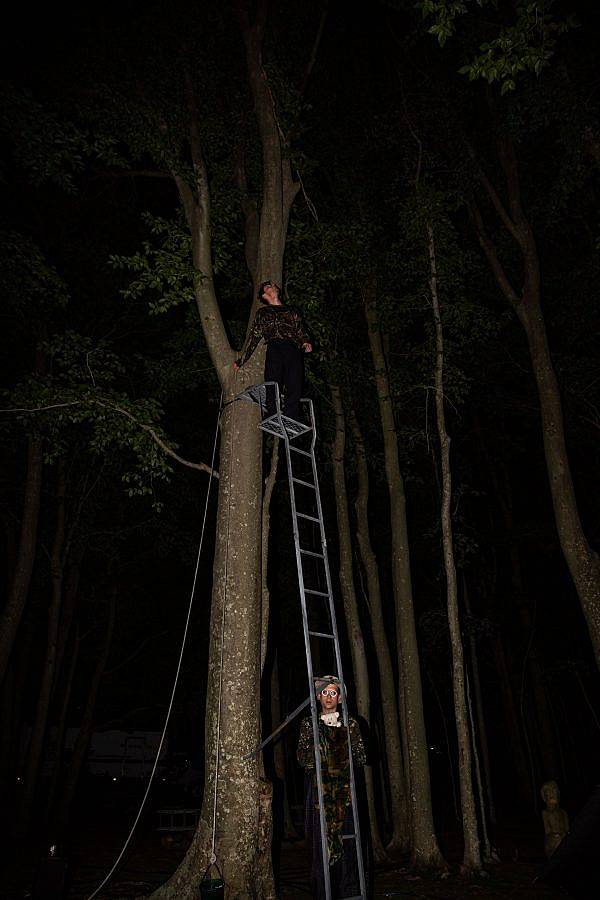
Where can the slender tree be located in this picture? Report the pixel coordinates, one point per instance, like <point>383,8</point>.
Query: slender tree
<point>471,855</point>
<point>353,625</point>
<point>400,838</point>
<point>425,852</point>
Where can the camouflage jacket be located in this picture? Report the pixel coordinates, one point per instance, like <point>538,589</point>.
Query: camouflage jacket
<point>282,323</point>
<point>335,772</point>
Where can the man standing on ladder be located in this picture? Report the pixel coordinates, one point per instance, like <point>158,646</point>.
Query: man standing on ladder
<point>281,328</point>
<point>335,772</point>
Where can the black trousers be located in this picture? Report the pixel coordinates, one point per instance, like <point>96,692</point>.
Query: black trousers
<point>285,365</point>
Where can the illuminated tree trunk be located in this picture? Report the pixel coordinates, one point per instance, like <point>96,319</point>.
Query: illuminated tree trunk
<point>425,852</point>
<point>582,560</point>
<point>346,574</point>
<point>400,839</point>
<point>472,854</point>
<point>236,815</point>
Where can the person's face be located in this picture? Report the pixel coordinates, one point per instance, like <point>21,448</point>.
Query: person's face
<point>270,293</point>
<point>329,697</point>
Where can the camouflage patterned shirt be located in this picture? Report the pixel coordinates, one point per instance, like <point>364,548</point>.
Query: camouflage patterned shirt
<point>335,772</point>
<point>283,323</point>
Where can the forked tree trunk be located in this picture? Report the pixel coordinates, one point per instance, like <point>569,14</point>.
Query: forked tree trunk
<point>38,733</point>
<point>236,816</point>
<point>425,852</point>
<point>346,575</point>
<point>13,611</point>
<point>400,838</point>
<point>583,562</point>
<point>472,854</point>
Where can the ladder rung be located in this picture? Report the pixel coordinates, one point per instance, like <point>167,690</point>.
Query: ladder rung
<point>316,593</point>
<point>312,553</point>
<point>322,634</point>
<point>310,518</point>
<point>356,897</point>
<point>298,450</point>
<point>348,837</point>
<point>305,483</point>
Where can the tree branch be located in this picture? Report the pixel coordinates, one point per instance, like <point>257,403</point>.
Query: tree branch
<point>492,192</point>
<point>492,257</point>
<point>107,404</point>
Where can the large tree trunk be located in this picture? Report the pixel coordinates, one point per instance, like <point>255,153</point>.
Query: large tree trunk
<point>425,852</point>
<point>11,616</point>
<point>472,854</point>
<point>583,562</point>
<point>400,838</point>
<point>38,733</point>
<point>346,574</point>
<point>235,819</point>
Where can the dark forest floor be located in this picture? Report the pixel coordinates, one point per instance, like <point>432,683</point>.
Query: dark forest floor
<point>148,863</point>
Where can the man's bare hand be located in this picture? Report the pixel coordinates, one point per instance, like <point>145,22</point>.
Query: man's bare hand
<point>307,347</point>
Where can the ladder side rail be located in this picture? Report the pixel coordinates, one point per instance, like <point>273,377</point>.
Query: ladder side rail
<point>311,682</point>
<point>345,714</point>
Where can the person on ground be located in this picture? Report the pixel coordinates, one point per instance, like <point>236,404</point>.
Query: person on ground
<point>281,328</point>
<point>335,773</point>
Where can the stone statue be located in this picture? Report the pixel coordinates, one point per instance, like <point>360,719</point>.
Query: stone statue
<point>556,820</point>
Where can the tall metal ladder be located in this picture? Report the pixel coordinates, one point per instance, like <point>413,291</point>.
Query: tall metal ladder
<point>290,431</point>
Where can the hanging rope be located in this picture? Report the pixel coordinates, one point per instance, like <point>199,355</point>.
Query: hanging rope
<point>178,670</point>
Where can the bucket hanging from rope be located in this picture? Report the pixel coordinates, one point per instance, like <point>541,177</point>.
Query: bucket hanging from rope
<point>212,888</point>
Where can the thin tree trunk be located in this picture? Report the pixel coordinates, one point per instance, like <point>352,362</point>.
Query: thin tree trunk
<point>62,725</point>
<point>289,829</point>
<point>40,721</point>
<point>485,840</point>
<point>425,852</point>
<point>485,751</point>
<point>512,720</point>
<point>400,838</point>
<point>583,562</point>
<point>11,616</point>
<point>532,665</point>
<point>346,575</point>
<point>472,855</point>
<point>86,728</point>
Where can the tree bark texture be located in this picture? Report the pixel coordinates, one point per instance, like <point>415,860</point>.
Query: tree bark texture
<point>425,852</point>
<point>400,838</point>
<point>13,611</point>
<point>234,819</point>
<point>472,854</point>
<point>479,707</point>
<point>346,575</point>
<point>583,562</point>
